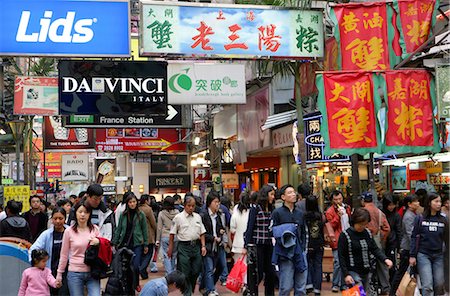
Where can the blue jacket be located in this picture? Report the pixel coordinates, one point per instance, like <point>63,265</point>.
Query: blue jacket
<point>44,241</point>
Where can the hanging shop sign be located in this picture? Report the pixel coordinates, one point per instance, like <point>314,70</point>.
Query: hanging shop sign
<point>361,31</point>
<point>432,168</point>
<point>17,193</point>
<point>418,175</point>
<point>57,137</point>
<point>136,139</point>
<point>112,87</point>
<point>414,20</point>
<point>202,175</point>
<point>410,104</point>
<point>205,83</point>
<point>75,167</point>
<point>175,118</point>
<point>282,137</point>
<point>314,141</point>
<point>230,31</point>
<point>169,163</point>
<point>443,91</point>
<point>229,181</point>
<point>105,173</point>
<point>399,179</point>
<point>35,96</point>
<point>170,181</point>
<point>65,28</point>
<point>348,104</point>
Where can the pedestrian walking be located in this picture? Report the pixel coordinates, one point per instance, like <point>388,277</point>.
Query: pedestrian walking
<point>144,207</point>
<point>14,225</point>
<point>35,218</point>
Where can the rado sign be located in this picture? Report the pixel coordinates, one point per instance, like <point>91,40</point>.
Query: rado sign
<point>111,88</point>
<point>170,181</point>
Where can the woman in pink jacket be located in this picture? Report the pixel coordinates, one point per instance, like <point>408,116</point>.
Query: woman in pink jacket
<point>75,242</point>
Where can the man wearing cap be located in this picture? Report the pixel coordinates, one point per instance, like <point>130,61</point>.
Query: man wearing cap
<point>380,229</point>
<point>289,252</point>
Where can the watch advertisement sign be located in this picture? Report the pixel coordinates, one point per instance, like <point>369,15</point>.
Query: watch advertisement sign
<point>75,167</point>
<point>35,96</point>
<point>169,163</point>
<point>65,28</point>
<point>105,173</point>
<point>57,137</point>
<point>206,83</point>
<point>112,87</point>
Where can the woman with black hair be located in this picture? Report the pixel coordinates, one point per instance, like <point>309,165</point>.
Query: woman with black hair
<point>131,232</point>
<point>238,224</point>
<point>428,238</point>
<point>315,221</point>
<point>258,233</point>
<point>355,247</point>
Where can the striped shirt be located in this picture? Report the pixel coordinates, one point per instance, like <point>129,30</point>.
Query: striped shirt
<point>258,227</point>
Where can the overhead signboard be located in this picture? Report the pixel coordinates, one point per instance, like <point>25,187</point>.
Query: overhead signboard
<point>206,83</point>
<point>112,87</point>
<point>65,28</point>
<point>174,118</point>
<point>75,167</point>
<point>57,137</point>
<point>170,181</point>
<point>230,31</point>
<point>169,163</point>
<point>35,95</point>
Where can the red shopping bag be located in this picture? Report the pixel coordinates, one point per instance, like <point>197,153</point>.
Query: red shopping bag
<point>354,291</point>
<point>235,279</point>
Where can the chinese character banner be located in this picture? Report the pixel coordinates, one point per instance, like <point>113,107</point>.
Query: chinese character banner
<point>415,19</point>
<point>361,31</point>
<point>230,31</point>
<point>348,103</point>
<point>410,103</point>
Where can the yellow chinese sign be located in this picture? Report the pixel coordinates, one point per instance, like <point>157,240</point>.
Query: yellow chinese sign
<point>18,193</point>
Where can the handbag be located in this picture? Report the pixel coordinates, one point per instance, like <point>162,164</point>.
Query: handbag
<point>235,279</point>
<point>407,285</point>
<point>356,290</point>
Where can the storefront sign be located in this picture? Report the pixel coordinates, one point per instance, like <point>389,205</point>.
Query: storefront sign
<point>172,119</point>
<point>205,83</point>
<point>240,31</point>
<point>418,175</point>
<point>229,181</point>
<point>65,28</point>
<point>35,96</point>
<point>135,139</point>
<point>433,167</point>
<point>18,193</point>
<point>170,181</point>
<point>314,141</point>
<point>443,90</point>
<point>75,167</point>
<point>112,87</point>
<point>7,181</point>
<point>409,109</point>
<point>105,173</point>
<point>169,163</point>
<point>57,137</point>
<point>202,175</point>
<point>282,137</point>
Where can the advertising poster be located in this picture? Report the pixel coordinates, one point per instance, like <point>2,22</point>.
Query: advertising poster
<point>105,173</point>
<point>75,167</point>
<point>35,96</point>
<point>112,87</point>
<point>18,193</point>
<point>398,178</point>
<point>57,137</point>
<point>169,163</point>
<point>443,91</point>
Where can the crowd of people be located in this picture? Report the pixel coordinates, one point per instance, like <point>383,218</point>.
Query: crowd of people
<point>373,244</point>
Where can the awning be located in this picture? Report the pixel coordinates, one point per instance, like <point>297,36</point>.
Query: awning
<point>279,119</point>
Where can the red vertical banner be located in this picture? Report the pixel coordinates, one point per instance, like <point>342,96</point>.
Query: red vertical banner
<point>362,35</point>
<point>415,18</point>
<point>350,109</point>
<point>410,109</point>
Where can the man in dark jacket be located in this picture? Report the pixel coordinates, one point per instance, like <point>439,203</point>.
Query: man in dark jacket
<point>35,218</point>
<point>14,225</point>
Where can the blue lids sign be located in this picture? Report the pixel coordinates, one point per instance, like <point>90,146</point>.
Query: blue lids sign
<point>65,28</point>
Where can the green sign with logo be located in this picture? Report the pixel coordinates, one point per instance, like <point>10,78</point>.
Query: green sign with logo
<point>7,181</point>
<point>81,119</point>
<point>443,90</point>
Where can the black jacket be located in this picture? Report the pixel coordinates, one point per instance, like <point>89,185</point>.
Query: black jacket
<point>15,226</point>
<point>42,224</point>
<point>395,236</point>
<point>122,280</point>
<point>209,234</point>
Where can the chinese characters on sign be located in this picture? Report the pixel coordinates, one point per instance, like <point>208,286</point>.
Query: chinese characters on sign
<point>363,36</point>
<point>409,109</point>
<point>246,32</point>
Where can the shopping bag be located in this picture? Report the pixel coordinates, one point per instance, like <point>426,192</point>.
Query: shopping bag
<point>235,279</point>
<point>356,290</point>
<point>407,285</point>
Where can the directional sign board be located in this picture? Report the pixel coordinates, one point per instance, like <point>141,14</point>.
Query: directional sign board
<point>175,118</point>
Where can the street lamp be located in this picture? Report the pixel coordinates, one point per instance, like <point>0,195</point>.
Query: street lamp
<point>17,128</point>
<point>219,144</point>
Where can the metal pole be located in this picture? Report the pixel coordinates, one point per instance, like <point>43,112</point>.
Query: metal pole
<point>220,166</point>
<point>18,141</point>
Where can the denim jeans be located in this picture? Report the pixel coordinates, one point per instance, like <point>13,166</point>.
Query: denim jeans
<point>337,272</point>
<point>315,257</point>
<point>221,272</point>
<point>146,258</point>
<point>363,280</point>
<point>138,252</point>
<point>431,271</point>
<point>77,281</point>
<point>290,279</point>
<point>169,263</point>
<point>209,264</point>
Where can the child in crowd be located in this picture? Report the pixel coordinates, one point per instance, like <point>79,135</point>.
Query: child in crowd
<point>36,279</point>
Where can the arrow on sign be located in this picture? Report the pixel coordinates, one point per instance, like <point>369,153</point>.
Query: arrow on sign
<point>172,112</point>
